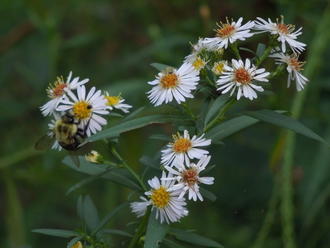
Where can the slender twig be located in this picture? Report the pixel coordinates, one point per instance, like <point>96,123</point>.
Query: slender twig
<point>136,176</point>
<point>140,230</point>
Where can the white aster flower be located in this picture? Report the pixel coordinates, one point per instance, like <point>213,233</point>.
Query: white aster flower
<point>51,126</point>
<point>189,179</point>
<point>183,148</point>
<point>164,199</point>
<point>242,77</point>
<point>294,68</point>
<point>56,92</point>
<point>228,32</point>
<point>173,84</point>
<point>116,102</point>
<point>86,108</point>
<point>285,32</point>
<point>218,67</point>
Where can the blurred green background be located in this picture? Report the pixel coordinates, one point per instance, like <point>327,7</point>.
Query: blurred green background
<point>113,43</point>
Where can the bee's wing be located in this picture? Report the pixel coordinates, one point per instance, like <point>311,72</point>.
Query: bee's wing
<point>44,143</point>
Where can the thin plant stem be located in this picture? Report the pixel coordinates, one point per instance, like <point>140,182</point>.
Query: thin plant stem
<point>318,46</point>
<point>235,50</point>
<point>136,176</point>
<point>140,230</point>
<point>270,216</point>
<point>220,114</point>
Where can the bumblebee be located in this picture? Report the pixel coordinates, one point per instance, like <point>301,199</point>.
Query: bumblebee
<point>68,134</point>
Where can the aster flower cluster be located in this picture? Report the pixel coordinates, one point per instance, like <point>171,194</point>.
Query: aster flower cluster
<point>234,75</point>
<point>183,160</point>
<point>86,106</point>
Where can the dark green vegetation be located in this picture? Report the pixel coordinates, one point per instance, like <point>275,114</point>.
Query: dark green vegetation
<point>113,43</point>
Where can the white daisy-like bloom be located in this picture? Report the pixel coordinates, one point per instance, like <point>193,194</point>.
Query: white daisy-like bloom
<point>116,102</point>
<point>242,77</point>
<point>86,108</point>
<point>173,84</point>
<point>188,178</point>
<point>229,32</point>
<point>164,199</point>
<point>56,92</point>
<point>184,148</point>
<point>219,67</point>
<point>50,133</point>
<point>286,33</point>
<point>294,68</point>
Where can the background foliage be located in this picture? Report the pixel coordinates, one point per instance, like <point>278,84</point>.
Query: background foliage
<point>113,43</point>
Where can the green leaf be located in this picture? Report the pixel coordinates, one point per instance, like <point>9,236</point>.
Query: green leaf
<point>215,107</point>
<point>108,217</point>
<point>116,175</point>
<point>56,232</point>
<point>91,216</point>
<point>147,161</point>
<point>172,244</point>
<point>230,127</point>
<point>129,125</point>
<point>194,238</point>
<point>117,232</point>
<point>280,120</point>
<point>260,49</point>
<point>209,195</point>
<point>160,67</point>
<point>80,207</point>
<point>155,232</point>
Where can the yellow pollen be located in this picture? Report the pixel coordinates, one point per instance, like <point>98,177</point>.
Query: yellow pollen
<point>218,68</point>
<point>181,145</point>
<point>297,65</point>
<point>242,76</point>
<point>112,100</point>
<point>77,245</point>
<point>169,80</point>
<point>82,110</point>
<point>57,89</point>
<point>190,176</point>
<point>198,63</point>
<point>225,30</point>
<point>160,197</point>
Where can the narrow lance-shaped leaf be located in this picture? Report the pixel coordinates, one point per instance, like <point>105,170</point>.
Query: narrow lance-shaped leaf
<point>91,216</point>
<point>194,238</point>
<point>155,232</point>
<point>280,120</point>
<point>56,232</point>
<point>230,127</point>
<point>134,124</point>
<point>215,108</point>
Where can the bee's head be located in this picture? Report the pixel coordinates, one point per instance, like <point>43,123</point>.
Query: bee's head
<point>68,118</point>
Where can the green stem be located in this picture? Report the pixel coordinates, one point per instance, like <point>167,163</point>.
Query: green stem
<point>188,110</point>
<point>235,50</point>
<point>277,71</point>
<point>270,216</point>
<point>318,46</point>
<point>264,55</point>
<point>219,115</point>
<point>140,231</point>
<point>136,176</point>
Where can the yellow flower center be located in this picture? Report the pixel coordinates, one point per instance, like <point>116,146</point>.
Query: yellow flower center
<point>242,76</point>
<point>77,245</point>
<point>181,145</point>
<point>112,100</point>
<point>169,80</point>
<point>82,110</point>
<point>225,30</point>
<point>218,68</point>
<point>160,197</point>
<point>190,176</point>
<point>198,63</point>
<point>57,89</point>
